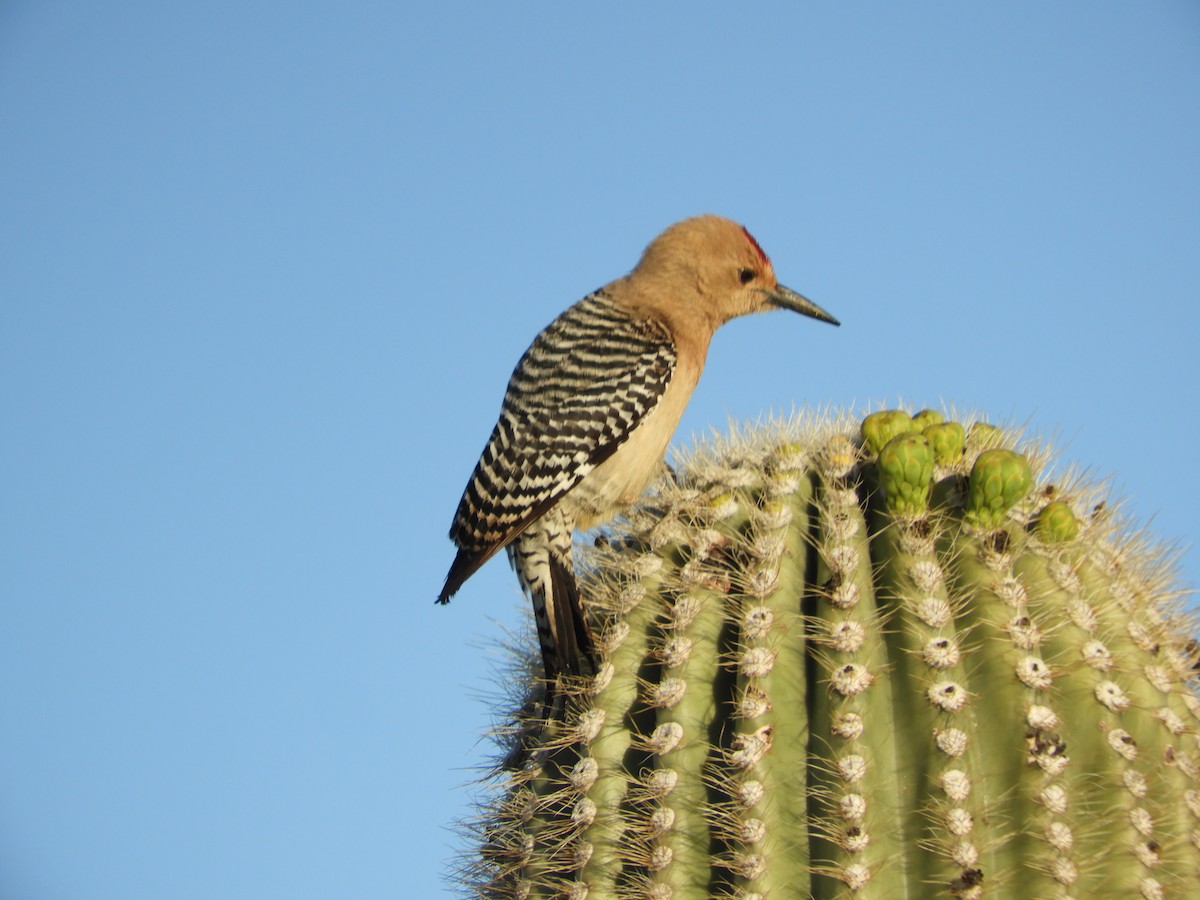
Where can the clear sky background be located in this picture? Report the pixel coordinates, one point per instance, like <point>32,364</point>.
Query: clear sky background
<point>265,269</point>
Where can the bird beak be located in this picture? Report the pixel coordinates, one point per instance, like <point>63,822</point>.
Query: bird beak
<point>786,298</point>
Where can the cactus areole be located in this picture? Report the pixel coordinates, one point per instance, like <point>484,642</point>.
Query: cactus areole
<point>861,659</point>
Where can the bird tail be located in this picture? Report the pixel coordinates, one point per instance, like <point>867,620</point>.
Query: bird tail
<point>542,559</point>
<point>568,648</point>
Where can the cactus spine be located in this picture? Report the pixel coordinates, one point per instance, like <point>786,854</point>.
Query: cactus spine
<point>868,661</point>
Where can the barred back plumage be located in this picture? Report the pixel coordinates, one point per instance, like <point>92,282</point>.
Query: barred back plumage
<point>576,395</point>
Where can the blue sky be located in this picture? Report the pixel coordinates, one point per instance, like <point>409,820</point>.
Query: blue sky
<point>266,267</point>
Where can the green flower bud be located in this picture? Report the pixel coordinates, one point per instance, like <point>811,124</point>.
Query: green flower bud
<point>1056,523</point>
<point>999,479</point>
<point>906,472</point>
<point>947,440</point>
<point>984,435</point>
<point>927,417</point>
<point>880,427</point>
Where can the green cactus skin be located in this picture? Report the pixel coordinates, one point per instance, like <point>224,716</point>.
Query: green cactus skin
<point>817,683</point>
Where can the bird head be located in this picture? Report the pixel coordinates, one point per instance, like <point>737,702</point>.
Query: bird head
<point>720,264</point>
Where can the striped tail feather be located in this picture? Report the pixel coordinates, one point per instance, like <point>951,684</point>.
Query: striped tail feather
<point>541,557</point>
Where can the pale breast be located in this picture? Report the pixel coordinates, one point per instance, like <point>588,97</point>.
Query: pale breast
<point>620,480</point>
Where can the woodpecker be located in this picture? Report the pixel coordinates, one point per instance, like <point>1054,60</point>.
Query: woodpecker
<point>590,409</point>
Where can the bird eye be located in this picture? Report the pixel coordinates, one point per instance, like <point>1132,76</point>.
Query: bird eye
<point>745,276</point>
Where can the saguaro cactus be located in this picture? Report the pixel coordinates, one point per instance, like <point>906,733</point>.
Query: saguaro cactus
<point>868,660</point>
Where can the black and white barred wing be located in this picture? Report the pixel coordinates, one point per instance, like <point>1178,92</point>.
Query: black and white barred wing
<point>577,394</point>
